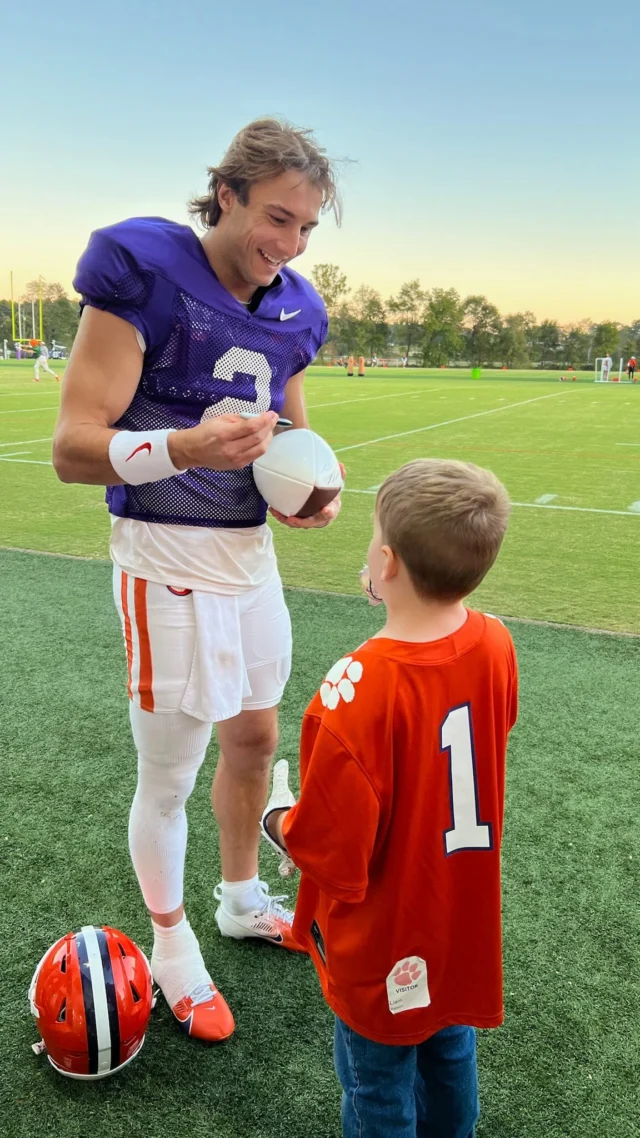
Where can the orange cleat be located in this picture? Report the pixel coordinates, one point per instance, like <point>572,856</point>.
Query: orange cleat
<point>205,1015</point>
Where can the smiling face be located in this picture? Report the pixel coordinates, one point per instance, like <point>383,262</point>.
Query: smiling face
<point>271,229</point>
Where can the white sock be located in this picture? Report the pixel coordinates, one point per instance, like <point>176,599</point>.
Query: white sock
<point>240,897</point>
<point>176,961</point>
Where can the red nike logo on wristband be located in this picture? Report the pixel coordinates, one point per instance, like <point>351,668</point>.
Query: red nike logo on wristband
<point>143,446</point>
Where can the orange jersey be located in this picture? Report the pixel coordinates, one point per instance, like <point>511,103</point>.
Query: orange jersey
<point>631,362</point>
<point>398,831</point>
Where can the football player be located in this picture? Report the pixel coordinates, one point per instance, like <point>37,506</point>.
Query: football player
<point>180,337</point>
<point>42,361</point>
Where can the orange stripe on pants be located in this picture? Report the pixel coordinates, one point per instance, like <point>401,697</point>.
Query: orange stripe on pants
<point>124,585</point>
<point>145,683</point>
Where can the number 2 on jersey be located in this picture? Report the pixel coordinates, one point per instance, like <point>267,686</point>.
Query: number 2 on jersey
<point>456,737</point>
<point>241,360</point>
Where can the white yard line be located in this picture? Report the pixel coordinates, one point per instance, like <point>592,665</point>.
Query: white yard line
<point>446,423</point>
<point>29,410</point>
<point>575,509</point>
<point>26,390</point>
<point>628,444</point>
<point>30,461</point>
<point>366,399</point>
<point>630,513</point>
<point>12,453</point>
<point>25,442</point>
<point>544,499</point>
<point>15,394</point>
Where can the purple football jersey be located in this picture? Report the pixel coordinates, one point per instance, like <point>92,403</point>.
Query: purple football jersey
<point>206,354</point>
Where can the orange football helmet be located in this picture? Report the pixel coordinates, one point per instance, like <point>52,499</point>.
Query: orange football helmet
<point>91,995</point>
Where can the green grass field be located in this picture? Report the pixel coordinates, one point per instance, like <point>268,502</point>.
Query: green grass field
<point>569,455</point>
<point>566,1063</point>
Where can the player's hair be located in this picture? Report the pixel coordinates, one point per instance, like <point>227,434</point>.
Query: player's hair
<point>264,149</point>
<point>446,521</point>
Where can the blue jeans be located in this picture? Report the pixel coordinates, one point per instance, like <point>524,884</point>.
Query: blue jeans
<point>426,1091</point>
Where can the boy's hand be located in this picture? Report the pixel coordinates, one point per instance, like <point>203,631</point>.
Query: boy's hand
<point>280,801</point>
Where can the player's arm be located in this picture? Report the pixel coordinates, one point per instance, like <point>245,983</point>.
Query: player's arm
<point>100,382</point>
<point>294,407</point>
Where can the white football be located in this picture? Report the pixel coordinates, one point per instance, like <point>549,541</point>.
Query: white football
<point>299,474</point>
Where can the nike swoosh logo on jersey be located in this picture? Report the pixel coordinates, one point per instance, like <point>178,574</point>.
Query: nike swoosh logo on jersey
<point>287,315</point>
<point>143,446</point>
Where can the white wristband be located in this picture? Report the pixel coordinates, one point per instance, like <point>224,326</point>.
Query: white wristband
<point>141,456</point>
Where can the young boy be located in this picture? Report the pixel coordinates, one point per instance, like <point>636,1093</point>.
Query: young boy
<point>398,828</point>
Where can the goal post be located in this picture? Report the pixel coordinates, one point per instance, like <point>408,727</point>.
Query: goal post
<point>599,371</point>
<point>19,327</point>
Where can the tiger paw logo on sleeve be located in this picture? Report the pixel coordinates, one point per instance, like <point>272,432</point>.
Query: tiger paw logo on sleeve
<point>340,682</point>
<point>407,985</point>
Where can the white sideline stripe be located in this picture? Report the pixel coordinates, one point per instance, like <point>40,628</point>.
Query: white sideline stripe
<point>575,509</point>
<point>103,1031</point>
<point>25,442</point>
<point>28,410</point>
<point>20,391</point>
<point>14,452</point>
<point>544,499</point>
<point>30,461</point>
<point>367,399</point>
<point>628,444</point>
<point>630,513</point>
<point>347,596</point>
<point>447,422</point>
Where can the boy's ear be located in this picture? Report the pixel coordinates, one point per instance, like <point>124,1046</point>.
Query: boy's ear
<point>390,566</point>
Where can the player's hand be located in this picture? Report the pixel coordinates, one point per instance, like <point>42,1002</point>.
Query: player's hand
<point>223,442</point>
<point>317,521</point>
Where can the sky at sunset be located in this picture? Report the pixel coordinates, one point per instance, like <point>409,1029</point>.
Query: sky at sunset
<point>492,146</point>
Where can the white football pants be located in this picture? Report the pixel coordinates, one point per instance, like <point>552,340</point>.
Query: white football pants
<point>193,659</point>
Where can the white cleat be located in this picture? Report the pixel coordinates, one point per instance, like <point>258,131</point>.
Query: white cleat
<point>271,923</point>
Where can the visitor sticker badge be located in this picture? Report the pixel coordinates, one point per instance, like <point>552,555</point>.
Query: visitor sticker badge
<point>407,985</point>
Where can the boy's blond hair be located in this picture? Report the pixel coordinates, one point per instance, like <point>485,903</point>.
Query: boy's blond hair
<point>446,521</point>
<point>264,149</point>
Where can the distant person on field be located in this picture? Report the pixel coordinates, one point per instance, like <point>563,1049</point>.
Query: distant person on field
<point>606,368</point>
<point>404,361</point>
<point>42,361</point>
<point>631,368</point>
<point>399,824</point>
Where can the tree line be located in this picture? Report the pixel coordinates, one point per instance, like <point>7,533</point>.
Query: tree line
<point>437,326</point>
<point>431,327</point>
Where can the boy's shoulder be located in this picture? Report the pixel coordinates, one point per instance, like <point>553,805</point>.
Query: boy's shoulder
<point>355,688</point>
<point>497,635</point>
<point>366,678</point>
